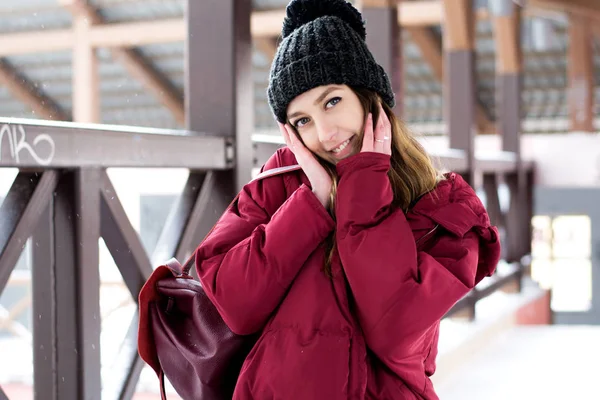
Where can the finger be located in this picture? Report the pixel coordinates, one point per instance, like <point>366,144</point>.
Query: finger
<point>296,143</point>
<point>284,133</point>
<point>383,135</point>
<point>388,138</point>
<point>379,133</point>
<point>298,148</point>
<point>367,144</point>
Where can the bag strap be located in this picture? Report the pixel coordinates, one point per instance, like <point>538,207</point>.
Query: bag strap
<point>265,174</point>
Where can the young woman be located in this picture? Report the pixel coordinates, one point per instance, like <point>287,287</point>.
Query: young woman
<point>345,268</point>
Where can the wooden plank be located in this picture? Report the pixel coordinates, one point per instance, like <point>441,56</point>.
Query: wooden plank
<point>507,40</point>
<point>86,94</point>
<point>26,91</point>
<point>132,34</point>
<point>459,25</point>
<point>137,66</point>
<point>583,8</point>
<point>379,3</point>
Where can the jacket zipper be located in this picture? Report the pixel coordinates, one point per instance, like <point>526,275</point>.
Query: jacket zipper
<point>427,235</point>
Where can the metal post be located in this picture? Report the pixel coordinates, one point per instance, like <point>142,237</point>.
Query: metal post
<point>384,38</point>
<point>219,86</point>
<point>459,78</point>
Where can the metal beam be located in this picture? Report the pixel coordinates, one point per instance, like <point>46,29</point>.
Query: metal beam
<point>169,240</point>
<point>74,253</point>
<point>30,143</point>
<point>219,46</point>
<point>121,239</point>
<point>384,40</point>
<point>507,35</point>
<point>459,82</point>
<point>452,159</point>
<point>27,199</point>
<point>27,92</point>
<point>214,196</point>
<point>43,272</point>
<point>88,316</point>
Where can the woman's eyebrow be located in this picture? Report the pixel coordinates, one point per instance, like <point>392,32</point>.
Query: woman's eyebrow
<point>318,100</point>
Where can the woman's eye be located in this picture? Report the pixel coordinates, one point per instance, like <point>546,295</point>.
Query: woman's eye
<point>333,101</point>
<point>301,122</point>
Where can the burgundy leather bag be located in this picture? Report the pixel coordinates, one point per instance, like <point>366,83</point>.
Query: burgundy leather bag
<point>182,336</point>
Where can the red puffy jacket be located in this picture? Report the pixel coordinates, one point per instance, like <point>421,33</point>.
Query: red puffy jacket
<point>371,331</point>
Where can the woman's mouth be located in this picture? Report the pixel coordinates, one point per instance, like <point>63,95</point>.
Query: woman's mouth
<point>338,150</point>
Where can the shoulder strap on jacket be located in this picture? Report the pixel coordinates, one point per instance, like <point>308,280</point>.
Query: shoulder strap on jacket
<point>276,171</point>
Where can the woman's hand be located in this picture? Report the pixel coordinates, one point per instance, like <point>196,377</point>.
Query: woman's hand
<point>379,141</point>
<point>320,180</point>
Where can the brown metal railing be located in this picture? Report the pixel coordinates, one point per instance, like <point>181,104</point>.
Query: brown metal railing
<point>64,200</point>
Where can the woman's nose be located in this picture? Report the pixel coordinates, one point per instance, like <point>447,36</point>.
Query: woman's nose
<point>327,131</point>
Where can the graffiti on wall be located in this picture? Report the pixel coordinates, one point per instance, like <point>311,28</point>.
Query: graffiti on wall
<point>41,148</point>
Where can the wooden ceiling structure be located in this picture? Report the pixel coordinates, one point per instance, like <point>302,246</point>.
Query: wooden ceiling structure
<point>93,33</point>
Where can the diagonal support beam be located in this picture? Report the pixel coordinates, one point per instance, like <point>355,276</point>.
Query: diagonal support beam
<point>582,8</point>
<point>204,198</point>
<point>431,49</point>
<point>122,240</point>
<point>24,90</point>
<point>170,238</point>
<point>27,199</point>
<point>137,66</point>
<point>213,198</point>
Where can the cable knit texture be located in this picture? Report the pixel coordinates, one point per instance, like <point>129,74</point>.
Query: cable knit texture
<point>323,43</point>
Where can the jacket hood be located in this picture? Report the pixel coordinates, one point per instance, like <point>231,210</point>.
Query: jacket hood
<point>455,206</point>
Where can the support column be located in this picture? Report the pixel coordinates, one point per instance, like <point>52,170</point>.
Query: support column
<point>219,89</point>
<point>219,100</point>
<point>581,74</point>
<point>459,78</point>
<point>507,28</point>
<point>69,301</point>
<point>507,32</point>
<point>384,39</point>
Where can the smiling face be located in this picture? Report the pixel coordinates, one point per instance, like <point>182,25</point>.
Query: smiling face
<point>329,120</point>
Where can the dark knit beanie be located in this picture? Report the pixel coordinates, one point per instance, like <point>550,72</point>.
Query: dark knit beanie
<point>323,43</point>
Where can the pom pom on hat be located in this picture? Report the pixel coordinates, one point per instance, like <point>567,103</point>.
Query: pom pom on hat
<point>301,12</point>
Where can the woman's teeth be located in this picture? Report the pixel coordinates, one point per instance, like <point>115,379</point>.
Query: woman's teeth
<point>341,147</point>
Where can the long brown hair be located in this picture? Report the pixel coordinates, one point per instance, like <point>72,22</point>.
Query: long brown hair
<point>411,173</point>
